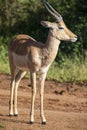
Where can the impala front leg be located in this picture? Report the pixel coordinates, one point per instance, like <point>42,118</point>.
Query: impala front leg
<point>33,83</point>
<point>42,80</point>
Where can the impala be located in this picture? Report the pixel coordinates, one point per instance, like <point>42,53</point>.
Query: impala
<point>27,54</point>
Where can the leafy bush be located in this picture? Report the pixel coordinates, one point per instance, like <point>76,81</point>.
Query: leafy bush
<point>22,16</point>
<point>4,66</point>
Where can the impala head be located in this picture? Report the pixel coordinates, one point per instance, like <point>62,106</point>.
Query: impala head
<point>58,28</point>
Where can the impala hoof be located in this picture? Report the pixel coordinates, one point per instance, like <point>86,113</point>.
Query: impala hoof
<point>31,122</point>
<point>15,114</point>
<point>43,123</point>
<point>11,115</point>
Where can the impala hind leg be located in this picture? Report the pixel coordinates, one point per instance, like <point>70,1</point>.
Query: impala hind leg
<point>12,86</point>
<point>13,70</point>
<point>18,78</point>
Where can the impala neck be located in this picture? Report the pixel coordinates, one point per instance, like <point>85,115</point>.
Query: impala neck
<point>52,43</point>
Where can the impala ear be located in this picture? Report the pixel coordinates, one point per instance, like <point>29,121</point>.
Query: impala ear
<point>49,25</point>
<point>46,24</point>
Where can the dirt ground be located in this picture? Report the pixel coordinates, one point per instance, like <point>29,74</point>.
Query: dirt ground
<point>65,106</point>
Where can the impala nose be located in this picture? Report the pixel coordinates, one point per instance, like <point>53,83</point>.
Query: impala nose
<point>74,39</point>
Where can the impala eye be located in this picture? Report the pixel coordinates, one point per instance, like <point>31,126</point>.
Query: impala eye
<point>61,27</point>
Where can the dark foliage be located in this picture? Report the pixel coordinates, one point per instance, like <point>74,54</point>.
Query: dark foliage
<point>24,16</point>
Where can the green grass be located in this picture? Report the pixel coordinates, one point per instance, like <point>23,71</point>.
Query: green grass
<point>4,67</point>
<point>2,126</point>
<point>16,129</point>
<point>68,71</point>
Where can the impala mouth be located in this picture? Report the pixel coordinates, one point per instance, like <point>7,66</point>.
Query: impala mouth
<point>73,39</point>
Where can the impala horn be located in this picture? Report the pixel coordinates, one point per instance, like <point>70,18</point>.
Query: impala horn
<point>52,11</point>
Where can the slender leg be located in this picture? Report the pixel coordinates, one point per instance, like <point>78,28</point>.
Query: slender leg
<point>12,85</point>
<point>42,80</point>
<point>19,76</point>
<point>11,103</point>
<point>13,70</point>
<point>33,83</point>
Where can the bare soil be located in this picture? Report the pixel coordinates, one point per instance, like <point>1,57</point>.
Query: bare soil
<point>65,106</point>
